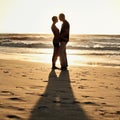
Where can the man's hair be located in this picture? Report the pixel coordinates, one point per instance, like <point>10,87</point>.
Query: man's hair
<point>62,15</point>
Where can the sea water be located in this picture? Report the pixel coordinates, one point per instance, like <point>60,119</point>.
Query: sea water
<point>92,50</point>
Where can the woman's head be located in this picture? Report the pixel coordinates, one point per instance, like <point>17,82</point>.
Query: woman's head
<point>54,19</point>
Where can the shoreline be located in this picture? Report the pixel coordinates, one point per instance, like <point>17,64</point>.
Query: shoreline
<point>73,60</point>
<point>31,90</point>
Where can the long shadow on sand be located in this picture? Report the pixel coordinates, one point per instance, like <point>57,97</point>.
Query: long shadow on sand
<point>58,102</point>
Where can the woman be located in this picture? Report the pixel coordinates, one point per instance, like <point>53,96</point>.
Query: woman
<point>55,31</point>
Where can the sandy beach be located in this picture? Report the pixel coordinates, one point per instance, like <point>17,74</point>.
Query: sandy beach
<point>32,91</point>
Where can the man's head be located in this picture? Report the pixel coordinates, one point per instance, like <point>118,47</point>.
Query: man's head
<point>61,17</point>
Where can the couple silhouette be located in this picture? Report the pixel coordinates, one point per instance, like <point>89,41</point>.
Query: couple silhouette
<point>58,101</point>
<point>60,40</point>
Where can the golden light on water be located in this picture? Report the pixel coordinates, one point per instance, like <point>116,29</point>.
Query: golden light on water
<point>47,57</point>
<point>75,57</point>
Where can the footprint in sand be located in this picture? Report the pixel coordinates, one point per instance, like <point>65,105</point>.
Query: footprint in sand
<point>83,79</point>
<point>32,78</point>
<point>73,81</point>
<point>20,87</point>
<point>117,88</point>
<point>11,107</point>
<point>85,96</point>
<point>101,97</point>
<point>24,75</point>
<point>13,117</point>
<point>4,92</point>
<point>16,108</point>
<point>85,72</point>
<point>36,87</point>
<point>6,71</point>
<point>91,103</point>
<point>81,87</point>
<point>16,99</point>
<point>31,93</point>
<point>45,81</point>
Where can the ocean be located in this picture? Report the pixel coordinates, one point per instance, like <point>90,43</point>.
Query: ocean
<point>82,50</point>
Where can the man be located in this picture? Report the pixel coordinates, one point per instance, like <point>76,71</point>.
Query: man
<point>55,31</point>
<point>64,38</point>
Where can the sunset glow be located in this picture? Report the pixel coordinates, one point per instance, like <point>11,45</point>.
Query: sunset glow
<point>85,17</point>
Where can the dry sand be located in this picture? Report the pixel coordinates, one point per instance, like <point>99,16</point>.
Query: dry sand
<point>32,91</point>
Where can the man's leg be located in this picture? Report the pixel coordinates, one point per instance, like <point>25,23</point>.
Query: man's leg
<point>63,57</point>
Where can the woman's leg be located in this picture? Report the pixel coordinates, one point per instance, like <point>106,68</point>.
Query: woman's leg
<point>55,56</point>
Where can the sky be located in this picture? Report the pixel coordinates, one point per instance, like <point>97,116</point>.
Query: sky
<point>84,16</point>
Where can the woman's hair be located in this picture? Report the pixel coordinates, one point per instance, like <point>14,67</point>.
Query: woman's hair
<point>54,18</point>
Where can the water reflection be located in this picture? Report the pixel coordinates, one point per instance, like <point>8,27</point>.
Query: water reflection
<point>58,102</point>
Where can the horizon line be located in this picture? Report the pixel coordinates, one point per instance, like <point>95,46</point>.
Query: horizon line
<point>15,33</point>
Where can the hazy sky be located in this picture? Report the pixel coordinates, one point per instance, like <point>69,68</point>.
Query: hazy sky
<point>85,16</point>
